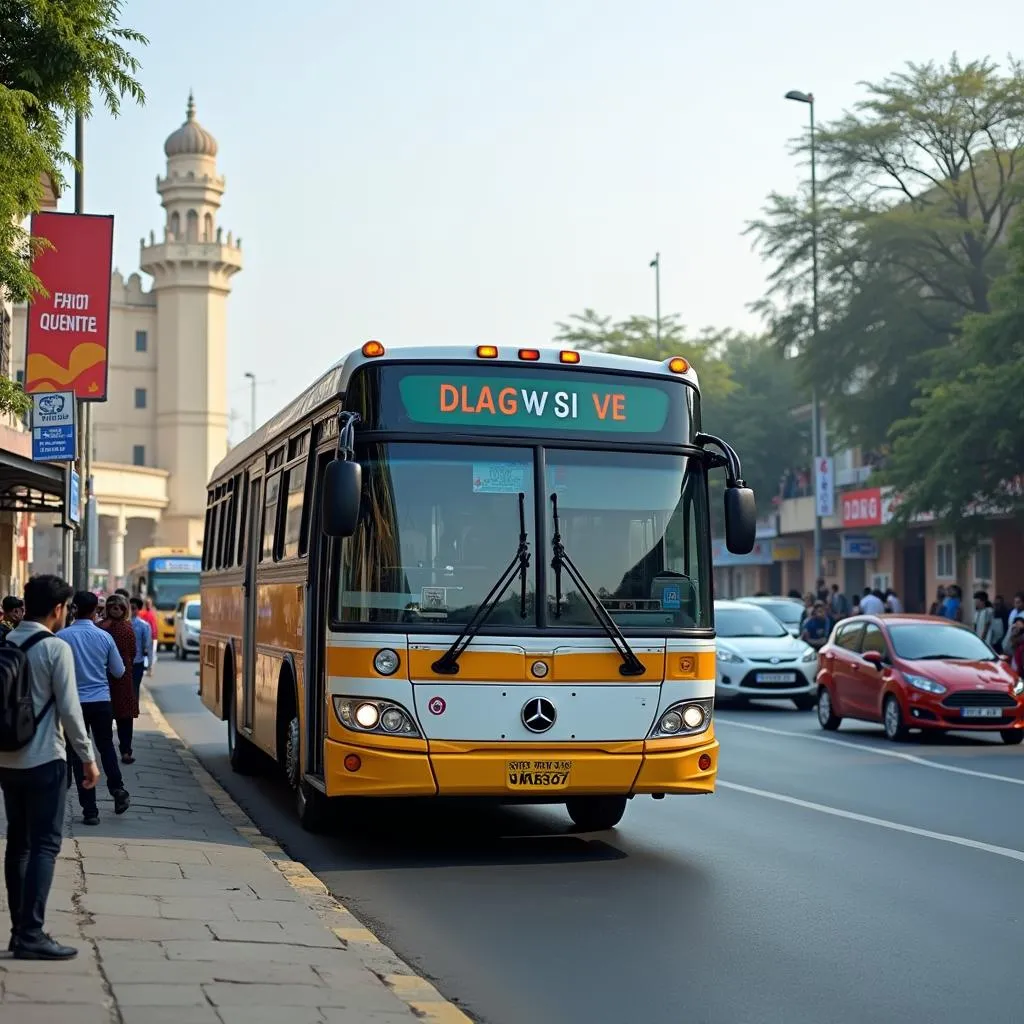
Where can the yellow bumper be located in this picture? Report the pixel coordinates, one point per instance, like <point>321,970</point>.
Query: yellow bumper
<point>406,768</point>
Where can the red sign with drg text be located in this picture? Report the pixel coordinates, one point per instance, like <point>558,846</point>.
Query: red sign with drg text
<point>863,508</point>
<point>67,342</point>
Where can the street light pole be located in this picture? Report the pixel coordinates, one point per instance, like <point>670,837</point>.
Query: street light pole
<point>656,263</point>
<point>818,444</point>
<point>251,377</point>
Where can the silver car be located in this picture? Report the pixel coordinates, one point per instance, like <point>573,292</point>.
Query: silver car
<point>788,610</point>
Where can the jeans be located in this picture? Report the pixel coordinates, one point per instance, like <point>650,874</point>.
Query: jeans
<point>126,726</point>
<point>99,721</point>
<point>34,803</point>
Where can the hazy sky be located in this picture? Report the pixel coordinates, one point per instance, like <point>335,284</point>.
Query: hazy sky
<point>474,170</point>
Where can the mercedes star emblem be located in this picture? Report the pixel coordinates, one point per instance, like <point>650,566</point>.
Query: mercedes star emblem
<point>538,714</point>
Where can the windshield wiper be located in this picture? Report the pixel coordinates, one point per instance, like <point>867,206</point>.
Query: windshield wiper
<point>448,663</point>
<point>631,664</point>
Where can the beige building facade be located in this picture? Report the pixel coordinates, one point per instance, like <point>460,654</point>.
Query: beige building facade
<point>165,423</point>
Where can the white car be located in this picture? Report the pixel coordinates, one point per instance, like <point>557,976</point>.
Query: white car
<point>186,628</point>
<point>759,658</point>
<point>788,610</point>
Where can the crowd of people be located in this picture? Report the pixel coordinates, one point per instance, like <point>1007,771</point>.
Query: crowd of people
<point>60,704</point>
<point>999,624</point>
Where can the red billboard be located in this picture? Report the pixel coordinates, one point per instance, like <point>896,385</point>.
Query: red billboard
<point>67,342</point>
<point>871,507</point>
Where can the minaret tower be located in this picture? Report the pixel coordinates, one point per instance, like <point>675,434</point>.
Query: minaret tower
<point>192,269</point>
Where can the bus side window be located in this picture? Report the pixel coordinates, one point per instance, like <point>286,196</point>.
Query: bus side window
<point>268,551</point>
<point>242,519</point>
<point>294,511</point>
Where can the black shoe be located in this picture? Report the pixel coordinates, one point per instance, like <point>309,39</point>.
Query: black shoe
<point>43,948</point>
<point>121,801</point>
<point>91,818</point>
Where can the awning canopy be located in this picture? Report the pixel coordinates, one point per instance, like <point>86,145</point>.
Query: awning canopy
<point>27,486</point>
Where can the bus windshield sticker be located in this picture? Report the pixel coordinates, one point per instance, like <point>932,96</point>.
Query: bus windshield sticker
<point>535,402</point>
<point>434,602</point>
<point>672,597</point>
<point>499,477</point>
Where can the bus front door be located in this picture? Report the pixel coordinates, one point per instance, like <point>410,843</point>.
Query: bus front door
<point>254,525</point>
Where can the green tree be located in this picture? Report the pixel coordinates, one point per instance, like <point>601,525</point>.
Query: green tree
<point>638,336</point>
<point>54,54</point>
<point>917,187</point>
<point>960,452</point>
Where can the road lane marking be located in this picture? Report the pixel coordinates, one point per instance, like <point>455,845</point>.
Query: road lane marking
<point>866,819</point>
<point>912,758</point>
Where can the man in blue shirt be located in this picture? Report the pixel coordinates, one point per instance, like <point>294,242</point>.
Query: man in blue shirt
<point>95,655</point>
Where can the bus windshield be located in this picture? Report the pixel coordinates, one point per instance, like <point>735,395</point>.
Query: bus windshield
<point>440,523</point>
<point>168,588</point>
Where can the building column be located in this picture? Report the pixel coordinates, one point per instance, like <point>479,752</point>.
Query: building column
<point>118,532</point>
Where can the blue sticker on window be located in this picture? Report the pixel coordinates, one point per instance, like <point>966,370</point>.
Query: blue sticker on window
<point>672,596</point>
<point>499,477</point>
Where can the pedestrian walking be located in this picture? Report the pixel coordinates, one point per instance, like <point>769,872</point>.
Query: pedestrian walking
<point>96,659</point>
<point>839,606</point>
<point>124,700</point>
<point>983,614</point>
<point>149,614</point>
<point>143,646</point>
<point>952,606</point>
<point>1017,611</point>
<point>893,604</point>
<point>33,767</point>
<point>14,612</point>
<point>872,602</point>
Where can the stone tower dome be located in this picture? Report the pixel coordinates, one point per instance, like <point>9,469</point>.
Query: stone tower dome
<point>191,139</point>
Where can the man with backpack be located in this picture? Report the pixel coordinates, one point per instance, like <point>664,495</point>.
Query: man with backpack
<point>38,695</point>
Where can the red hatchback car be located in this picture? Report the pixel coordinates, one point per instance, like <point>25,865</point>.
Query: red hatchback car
<point>917,672</point>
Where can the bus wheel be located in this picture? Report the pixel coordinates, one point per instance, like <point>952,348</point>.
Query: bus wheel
<point>596,813</point>
<point>242,755</point>
<point>311,806</point>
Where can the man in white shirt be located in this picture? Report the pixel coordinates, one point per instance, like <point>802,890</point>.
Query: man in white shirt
<point>34,778</point>
<point>871,603</point>
<point>893,604</point>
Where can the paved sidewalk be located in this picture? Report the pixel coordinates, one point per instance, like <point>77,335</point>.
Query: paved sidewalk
<point>184,913</point>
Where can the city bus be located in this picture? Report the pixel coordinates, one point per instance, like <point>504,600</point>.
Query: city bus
<point>166,575</point>
<point>472,572</point>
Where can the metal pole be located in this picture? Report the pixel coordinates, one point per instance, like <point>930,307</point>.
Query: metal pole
<point>80,543</point>
<point>657,295</point>
<point>817,441</point>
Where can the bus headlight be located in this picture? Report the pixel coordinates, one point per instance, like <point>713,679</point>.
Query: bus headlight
<point>365,714</point>
<point>687,718</point>
<point>386,662</point>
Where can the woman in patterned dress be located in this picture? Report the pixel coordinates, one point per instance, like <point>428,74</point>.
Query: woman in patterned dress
<point>123,699</point>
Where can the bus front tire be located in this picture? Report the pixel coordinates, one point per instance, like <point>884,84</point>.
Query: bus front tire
<point>311,806</point>
<point>596,813</point>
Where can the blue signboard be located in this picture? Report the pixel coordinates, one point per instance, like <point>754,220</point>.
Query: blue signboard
<point>53,427</point>
<point>74,510</point>
<point>859,546</point>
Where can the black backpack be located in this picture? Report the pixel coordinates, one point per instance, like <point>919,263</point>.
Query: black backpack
<point>18,718</point>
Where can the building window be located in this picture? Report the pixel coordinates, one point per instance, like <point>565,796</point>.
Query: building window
<point>207,227</point>
<point>175,226</point>
<point>138,455</point>
<point>141,341</point>
<point>140,398</point>
<point>945,559</point>
<point>192,226</point>
<point>983,563</point>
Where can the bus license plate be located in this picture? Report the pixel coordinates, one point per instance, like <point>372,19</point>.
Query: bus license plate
<point>538,774</point>
<point>775,677</point>
<point>981,712</point>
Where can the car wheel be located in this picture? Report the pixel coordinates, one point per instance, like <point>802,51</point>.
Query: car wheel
<point>892,720</point>
<point>805,703</point>
<point>1011,737</point>
<point>826,719</point>
<point>596,813</point>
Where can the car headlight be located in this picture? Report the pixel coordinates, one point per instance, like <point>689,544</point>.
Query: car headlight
<point>811,655</point>
<point>727,656</point>
<point>365,714</point>
<point>1018,688</point>
<point>924,683</point>
<point>686,718</point>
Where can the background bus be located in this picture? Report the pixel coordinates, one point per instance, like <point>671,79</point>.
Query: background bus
<point>354,623</point>
<point>166,575</point>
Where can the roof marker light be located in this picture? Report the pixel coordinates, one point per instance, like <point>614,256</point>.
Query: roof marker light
<point>486,352</point>
<point>372,349</point>
<point>677,364</point>
<point>529,354</point>
<point>569,356</point>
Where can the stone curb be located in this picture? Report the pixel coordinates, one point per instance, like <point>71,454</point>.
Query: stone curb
<point>422,998</point>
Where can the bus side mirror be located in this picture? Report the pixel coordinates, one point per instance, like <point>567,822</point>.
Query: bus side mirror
<point>343,487</point>
<point>740,520</point>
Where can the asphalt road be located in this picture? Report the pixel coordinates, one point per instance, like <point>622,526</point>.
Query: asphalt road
<point>836,879</point>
